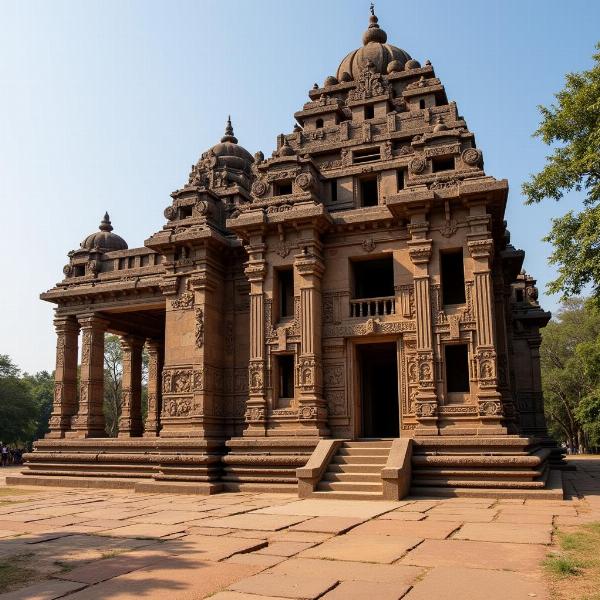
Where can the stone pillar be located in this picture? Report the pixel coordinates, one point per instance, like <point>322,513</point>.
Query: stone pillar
<point>130,421</point>
<point>426,407</point>
<point>256,409</point>
<point>65,377</point>
<point>312,411</point>
<point>485,359</point>
<point>155,365</point>
<point>89,421</point>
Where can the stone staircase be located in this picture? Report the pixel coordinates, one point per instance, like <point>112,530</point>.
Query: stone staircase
<point>354,472</point>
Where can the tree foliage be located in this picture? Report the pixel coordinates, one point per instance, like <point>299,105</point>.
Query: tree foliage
<point>572,127</point>
<point>570,360</point>
<point>21,404</point>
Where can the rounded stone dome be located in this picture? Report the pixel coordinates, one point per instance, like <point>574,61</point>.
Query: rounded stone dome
<point>229,153</point>
<point>104,238</point>
<point>376,49</point>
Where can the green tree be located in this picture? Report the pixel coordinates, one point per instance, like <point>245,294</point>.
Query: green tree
<point>570,360</point>
<point>572,127</point>
<point>19,411</point>
<point>41,386</point>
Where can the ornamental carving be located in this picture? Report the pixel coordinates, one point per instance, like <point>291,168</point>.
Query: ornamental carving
<point>334,376</point>
<point>417,165</point>
<point>255,415</point>
<point>490,408</point>
<point>255,377</point>
<point>259,188</point>
<point>170,213</point>
<point>420,254</point>
<point>86,342</point>
<point>307,412</point>
<point>425,409</point>
<point>60,350</point>
<point>472,157</point>
<point>177,381</point>
<point>304,181</point>
<point>199,328</point>
<point>67,270</point>
<point>369,84</point>
<point>481,248</point>
<point>336,401</point>
<point>369,245</point>
<point>177,407</point>
<point>92,267</point>
<point>283,249</point>
<point>449,228</point>
<point>440,184</point>
<point>184,301</point>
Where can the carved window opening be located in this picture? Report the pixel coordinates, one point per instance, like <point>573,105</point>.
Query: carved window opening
<point>366,155</point>
<point>145,260</point>
<point>453,277</point>
<point>319,123</point>
<point>285,376</point>
<point>457,368</point>
<point>282,188</point>
<point>520,297</point>
<point>422,104</point>
<point>285,292</point>
<point>368,191</point>
<point>185,212</point>
<point>79,270</point>
<point>369,111</point>
<point>400,178</point>
<point>333,190</point>
<point>373,278</point>
<point>123,263</point>
<point>442,164</point>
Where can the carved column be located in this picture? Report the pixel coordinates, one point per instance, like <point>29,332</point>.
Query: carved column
<point>130,421</point>
<point>155,365</point>
<point>426,407</point>
<point>312,410</point>
<point>256,408</point>
<point>65,377</point>
<point>89,421</point>
<point>485,360</point>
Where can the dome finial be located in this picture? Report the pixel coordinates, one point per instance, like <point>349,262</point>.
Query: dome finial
<point>105,223</point>
<point>229,137</point>
<point>374,33</point>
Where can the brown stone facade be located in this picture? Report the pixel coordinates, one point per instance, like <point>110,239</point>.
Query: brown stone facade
<point>360,282</point>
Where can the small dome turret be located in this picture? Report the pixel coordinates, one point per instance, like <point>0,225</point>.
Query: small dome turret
<point>229,153</point>
<point>376,49</point>
<point>104,238</point>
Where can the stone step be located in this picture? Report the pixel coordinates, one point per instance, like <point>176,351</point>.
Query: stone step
<point>479,474</point>
<point>360,451</point>
<point>355,477</point>
<point>349,486</point>
<point>369,444</point>
<point>480,483</point>
<point>359,460</point>
<point>348,495</point>
<point>360,468</point>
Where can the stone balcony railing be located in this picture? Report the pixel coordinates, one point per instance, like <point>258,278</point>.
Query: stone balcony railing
<point>373,307</point>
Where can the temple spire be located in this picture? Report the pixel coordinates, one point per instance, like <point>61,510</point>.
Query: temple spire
<point>229,136</point>
<point>105,224</point>
<point>374,33</point>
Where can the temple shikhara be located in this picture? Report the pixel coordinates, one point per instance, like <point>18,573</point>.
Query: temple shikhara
<point>344,318</point>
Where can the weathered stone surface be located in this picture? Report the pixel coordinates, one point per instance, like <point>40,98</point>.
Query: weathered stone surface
<point>523,533</point>
<point>306,587</point>
<point>422,529</point>
<point>47,590</point>
<point>359,590</point>
<point>449,583</point>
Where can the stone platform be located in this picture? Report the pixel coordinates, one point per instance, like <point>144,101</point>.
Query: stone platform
<point>90,544</point>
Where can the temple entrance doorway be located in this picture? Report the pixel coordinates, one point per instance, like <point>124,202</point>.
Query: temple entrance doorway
<point>378,390</point>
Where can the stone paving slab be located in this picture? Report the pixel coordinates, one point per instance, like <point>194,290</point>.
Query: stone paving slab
<point>476,555</point>
<point>364,548</point>
<point>350,571</point>
<point>255,521</point>
<point>421,529</point>
<point>174,578</point>
<point>359,590</point>
<point>450,583</point>
<point>286,549</point>
<point>335,525</point>
<point>241,596</point>
<point>47,590</point>
<point>306,587</point>
<point>143,530</point>
<point>523,533</point>
<point>332,508</point>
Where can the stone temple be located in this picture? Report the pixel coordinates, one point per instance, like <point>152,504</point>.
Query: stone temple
<point>346,318</point>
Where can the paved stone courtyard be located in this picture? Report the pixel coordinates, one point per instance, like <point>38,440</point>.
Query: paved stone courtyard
<point>114,545</point>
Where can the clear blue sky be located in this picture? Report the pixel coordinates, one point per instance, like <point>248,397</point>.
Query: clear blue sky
<point>104,105</point>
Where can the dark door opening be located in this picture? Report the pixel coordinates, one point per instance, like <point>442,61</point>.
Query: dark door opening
<point>378,373</point>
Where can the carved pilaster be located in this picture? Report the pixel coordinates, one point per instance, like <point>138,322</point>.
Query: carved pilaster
<point>65,377</point>
<point>256,408</point>
<point>130,421</point>
<point>425,406</point>
<point>312,410</point>
<point>155,366</point>
<point>489,398</point>
<point>89,420</point>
